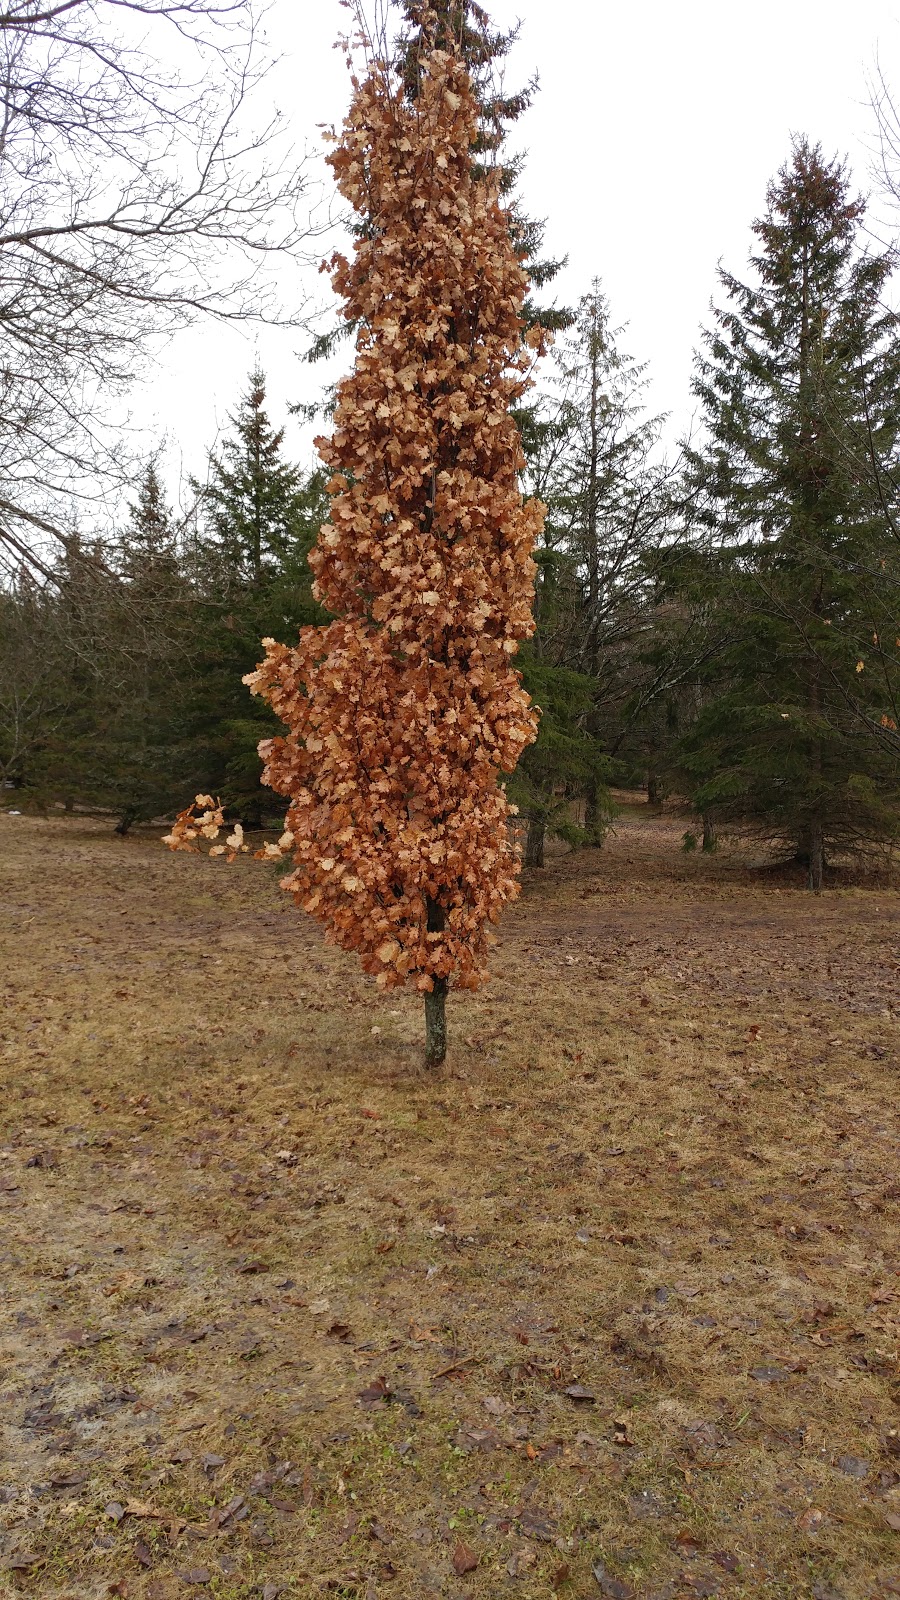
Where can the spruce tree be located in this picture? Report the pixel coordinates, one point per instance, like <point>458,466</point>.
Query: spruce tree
<point>260,516</point>
<point>35,680</point>
<point>124,619</point>
<point>800,393</point>
<point>149,542</point>
<point>589,446</point>
<point>254,499</point>
<point>144,744</point>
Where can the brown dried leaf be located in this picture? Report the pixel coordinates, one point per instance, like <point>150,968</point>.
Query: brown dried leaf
<point>464,1559</point>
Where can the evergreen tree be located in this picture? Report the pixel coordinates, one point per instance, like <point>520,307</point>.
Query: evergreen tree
<point>589,447</point>
<point>260,515</point>
<point>609,505</point>
<point>143,756</point>
<point>33,678</point>
<point>123,620</point>
<point>566,762</point>
<point>149,543</point>
<point>800,390</point>
<point>254,498</point>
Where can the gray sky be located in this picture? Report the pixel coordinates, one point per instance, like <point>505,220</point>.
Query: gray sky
<point>650,145</point>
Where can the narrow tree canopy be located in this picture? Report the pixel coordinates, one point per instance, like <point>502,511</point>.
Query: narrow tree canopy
<point>404,712</point>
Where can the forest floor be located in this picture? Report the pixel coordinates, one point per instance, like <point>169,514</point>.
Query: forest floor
<point>608,1309</point>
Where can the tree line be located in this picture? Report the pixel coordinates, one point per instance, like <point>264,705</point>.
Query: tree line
<point>721,626</point>
<point>120,672</point>
<point>726,627</point>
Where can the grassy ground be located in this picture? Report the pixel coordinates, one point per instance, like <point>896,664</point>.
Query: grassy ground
<point>611,1308</point>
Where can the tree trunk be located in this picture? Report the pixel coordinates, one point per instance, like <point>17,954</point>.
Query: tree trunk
<point>653,794</point>
<point>436,1024</point>
<point>123,826</point>
<point>435,1002</point>
<point>534,842</point>
<point>816,857</point>
<point>592,815</point>
<point>709,833</point>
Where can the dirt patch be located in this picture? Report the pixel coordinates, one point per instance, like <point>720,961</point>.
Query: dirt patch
<point>611,1308</point>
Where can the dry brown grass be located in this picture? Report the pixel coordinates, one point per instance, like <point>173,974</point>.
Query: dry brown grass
<point>238,1223</point>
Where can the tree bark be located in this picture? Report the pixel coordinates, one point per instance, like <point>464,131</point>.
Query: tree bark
<point>653,794</point>
<point>816,857</point>
<point>592,815</point>
<point>435,1002</point>
<point>534,842</point>
<point>436,1025</point>
<point>709,833</point>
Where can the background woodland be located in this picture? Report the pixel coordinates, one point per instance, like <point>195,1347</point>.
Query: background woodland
<point>718,623</point>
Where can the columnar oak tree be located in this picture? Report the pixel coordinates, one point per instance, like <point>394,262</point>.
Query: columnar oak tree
<point>404,711</point>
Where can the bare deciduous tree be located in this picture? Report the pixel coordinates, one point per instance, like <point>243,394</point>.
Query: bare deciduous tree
<point>135,194</point>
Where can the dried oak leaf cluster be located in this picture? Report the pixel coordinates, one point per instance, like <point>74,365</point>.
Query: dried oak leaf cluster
<point>404,711</point>
<point>205,819</point>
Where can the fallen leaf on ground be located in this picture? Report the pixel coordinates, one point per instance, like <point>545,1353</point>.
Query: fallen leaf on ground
<point>611,1587</point>
<point>378,1390</point>
<point>464,1559</point>
<point>727,1562</point>
<point>138,1508</point>
<point>535,1525</point>
<point>577,1391</point>
<point>811,1519</point>
<point>688,1544</point>
<point>496,1406</point>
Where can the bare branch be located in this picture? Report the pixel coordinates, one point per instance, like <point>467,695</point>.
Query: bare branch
<point>137,192</point>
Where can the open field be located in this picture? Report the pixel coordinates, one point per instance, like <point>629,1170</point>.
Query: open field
<point>611,1308</point>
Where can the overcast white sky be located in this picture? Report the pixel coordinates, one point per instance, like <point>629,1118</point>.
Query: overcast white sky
<point>650,145</point>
